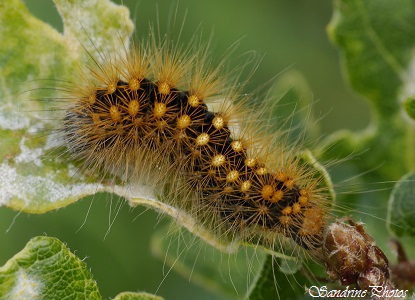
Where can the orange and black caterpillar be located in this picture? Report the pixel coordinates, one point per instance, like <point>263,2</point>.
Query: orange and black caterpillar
<point>150,115</point>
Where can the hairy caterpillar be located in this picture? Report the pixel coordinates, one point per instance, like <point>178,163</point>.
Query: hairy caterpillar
<point>159,114</point>
<point>109,110</point>
<point>133,118</point>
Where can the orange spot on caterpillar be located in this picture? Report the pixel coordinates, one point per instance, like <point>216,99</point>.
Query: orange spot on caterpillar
<point>296,208</point>
<point>164,88</point>
<point>267,191</point>
<point>218,122</point>
<point>232,176</point>
<point>115,114</point>
<point>287,210</point>
<point>261,171</point>
<point>193,101</point>
<point>133,108</point>
<point>202,139</point>
<point>159,110</point>
<point>134,84</point>
<point>237,146</point>
<point>303,200</point>
<point>313,222</point>
<point>218,160</point>
<point>246,186</point>
<point>250,162</point>
<point>277,196</point>
<point>183,121</point>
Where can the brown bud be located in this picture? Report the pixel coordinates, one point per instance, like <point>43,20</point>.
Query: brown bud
<point>352,257</point>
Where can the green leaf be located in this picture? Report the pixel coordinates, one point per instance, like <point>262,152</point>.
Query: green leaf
<point>137,296</point>
<point>401,219</point>
<point>46,269</point>
<point>409,106</point>
<point>33,55</point>
<point>376,39</point>
<point>212,269</point>
<point>271,284</point>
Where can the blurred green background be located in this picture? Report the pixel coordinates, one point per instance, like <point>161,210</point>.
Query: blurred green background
<point>287,35</point>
